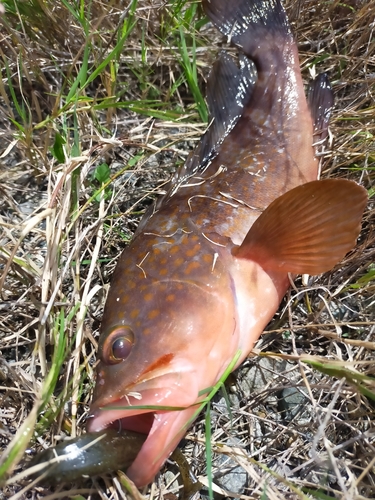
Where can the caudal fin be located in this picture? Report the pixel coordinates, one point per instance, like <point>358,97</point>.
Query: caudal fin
<point>263,20</point>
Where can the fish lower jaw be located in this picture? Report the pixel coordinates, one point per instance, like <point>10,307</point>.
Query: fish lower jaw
<point>166,432</point>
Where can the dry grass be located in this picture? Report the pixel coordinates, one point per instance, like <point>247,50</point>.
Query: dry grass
<point>105,85</point>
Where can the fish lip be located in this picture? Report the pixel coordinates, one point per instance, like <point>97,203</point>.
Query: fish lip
<point>161,387</point>
<point>104,416</point>
<point>159,400</point>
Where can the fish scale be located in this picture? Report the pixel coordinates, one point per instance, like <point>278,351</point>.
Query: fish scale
<point>211,260</point>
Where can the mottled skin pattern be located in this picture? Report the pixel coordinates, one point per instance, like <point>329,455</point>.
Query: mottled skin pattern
<point>188,302</point>
<point>246,175</point>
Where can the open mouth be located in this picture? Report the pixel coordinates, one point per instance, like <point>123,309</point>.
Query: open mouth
<point>164,429</point>
<point>138,423</point>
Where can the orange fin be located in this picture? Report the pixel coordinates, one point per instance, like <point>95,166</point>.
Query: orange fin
<point>308,229</point>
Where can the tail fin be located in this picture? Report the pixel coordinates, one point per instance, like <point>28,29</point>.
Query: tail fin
<point>236,18</point>
<point>278,108</point>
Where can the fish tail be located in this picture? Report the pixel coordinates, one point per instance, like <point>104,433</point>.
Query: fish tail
<point>247,22</point>
<point>261,31</point>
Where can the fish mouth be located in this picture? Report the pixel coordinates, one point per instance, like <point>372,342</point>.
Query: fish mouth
<point>164,428</point>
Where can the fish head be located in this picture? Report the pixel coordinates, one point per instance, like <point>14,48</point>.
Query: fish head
<point>163,343</point>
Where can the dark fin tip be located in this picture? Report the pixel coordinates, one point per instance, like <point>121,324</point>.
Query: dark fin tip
<point>320,101</point>
<point>234,18</point>
<point>229,88</point>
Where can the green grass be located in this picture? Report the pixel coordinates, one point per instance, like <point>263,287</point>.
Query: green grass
<point>51,126</point>
<point>95,112</point>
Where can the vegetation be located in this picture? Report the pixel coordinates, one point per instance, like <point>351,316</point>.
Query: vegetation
<point>99,101</point>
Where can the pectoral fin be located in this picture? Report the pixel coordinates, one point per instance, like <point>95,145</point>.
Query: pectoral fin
<point>308,229</point>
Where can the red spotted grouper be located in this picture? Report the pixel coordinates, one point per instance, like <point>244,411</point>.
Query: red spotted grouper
<point>208,266</point>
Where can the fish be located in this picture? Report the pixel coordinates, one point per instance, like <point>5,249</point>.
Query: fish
<point>98,453</point>
<point>87,455</point>
<point>211,261</point>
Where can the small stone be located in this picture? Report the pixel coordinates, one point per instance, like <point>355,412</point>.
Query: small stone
<point>228,474</point>
<point>235,480</point>
<point>293,404</point>
<point>4,370</point>
<point>259,375</point>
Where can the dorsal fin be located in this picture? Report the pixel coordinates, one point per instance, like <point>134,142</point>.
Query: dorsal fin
<point>320,101</point>
<point>229,88</point>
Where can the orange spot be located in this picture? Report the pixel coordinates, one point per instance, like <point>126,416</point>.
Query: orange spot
<point>192,251</point>
<point>170,298</point>
<point>163,272</point>
<point>148,297</point>
<point>156,251</point>
<point>134,313</point>
<point>146,331</point>
<point>163,261</point>
<point>207,258</point>
<point>174,250</point>
<point>178,262</point>
<point>153,314</point>
<point>191,266</point>
<point>163,360</point>
<point>124,298</point>
<point>130,285</point>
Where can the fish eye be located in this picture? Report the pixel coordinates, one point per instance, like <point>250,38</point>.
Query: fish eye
<point>118,345</point>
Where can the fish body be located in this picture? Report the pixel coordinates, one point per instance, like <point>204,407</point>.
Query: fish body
<point>75,458</point>
<point>208,265</point>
